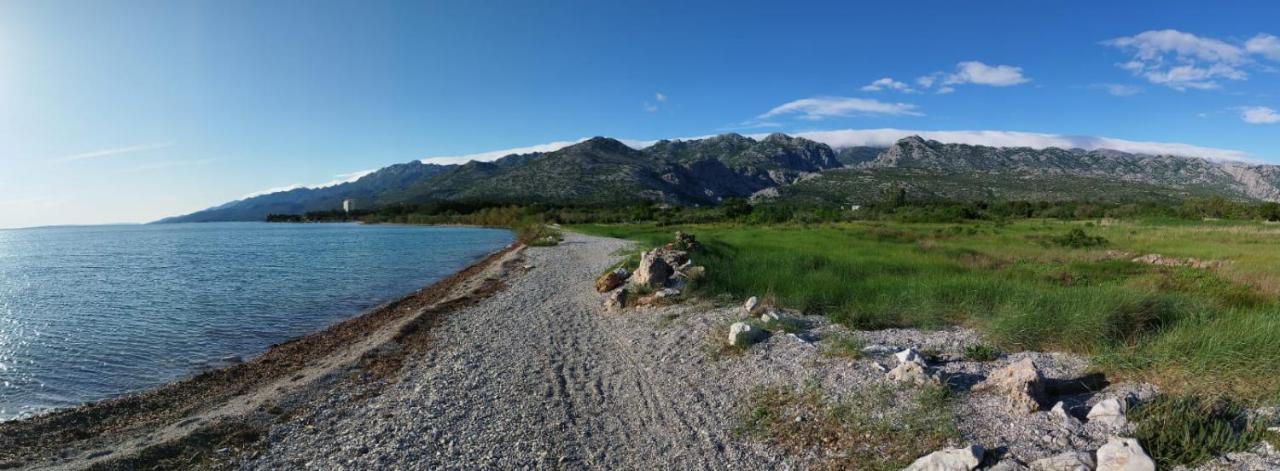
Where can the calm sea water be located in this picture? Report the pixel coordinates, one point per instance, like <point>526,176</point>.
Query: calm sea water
<point>88,313</point>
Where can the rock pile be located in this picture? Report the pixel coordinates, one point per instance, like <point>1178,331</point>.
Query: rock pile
<point>661,275</point>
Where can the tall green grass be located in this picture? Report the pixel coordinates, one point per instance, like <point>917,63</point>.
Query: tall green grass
<point>1190,330</point>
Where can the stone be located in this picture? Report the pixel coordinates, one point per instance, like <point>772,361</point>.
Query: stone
<point>742,334</point>
<point>674,258</point>
<point>611,280</point>
<point>1008,464</point>
<point>749,307</point>
<point>1124,454</point>
<point>1020,383</point>
<point>686,242</point>
<point>770,316</point>
<point>878,349</point>
<point>648,300</point>
<point>910,355</point>
<point>1069,461</point>
<point>653,271</point>
<point>951,459</point>
<point>695,273</point>
<point>1110,411</point>
<point>667,293</point>
<point>616,300</point>
<point>1060,410</point>
<point>911,372</point>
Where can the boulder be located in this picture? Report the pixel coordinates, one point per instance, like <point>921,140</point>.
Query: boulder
<point>1110,411</point>
<point>611,280</point>
<point>1069,461</point>
<point>653,271</point>
<point>667,293</point>
<point>615,300</point>
<point>951,459</point>
<point>742,334</point>
<point>1020,383</point>
<point>911,372</point>
<point>910,355</point>
<point>1124,454</point>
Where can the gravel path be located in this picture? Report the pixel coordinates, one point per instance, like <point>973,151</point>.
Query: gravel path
<point>534,377</point>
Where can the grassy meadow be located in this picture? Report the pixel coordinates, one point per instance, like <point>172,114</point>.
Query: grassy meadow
<point>1029,284</point>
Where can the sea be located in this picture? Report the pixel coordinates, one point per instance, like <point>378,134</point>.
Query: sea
<point>94,312</point>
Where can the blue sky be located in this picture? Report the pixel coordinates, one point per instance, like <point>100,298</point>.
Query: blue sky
<point>129,111</point>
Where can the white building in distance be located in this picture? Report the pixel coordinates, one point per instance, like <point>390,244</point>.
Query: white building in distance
<point>348,206</point>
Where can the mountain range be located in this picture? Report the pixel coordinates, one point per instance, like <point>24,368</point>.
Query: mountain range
<point>603,171</point>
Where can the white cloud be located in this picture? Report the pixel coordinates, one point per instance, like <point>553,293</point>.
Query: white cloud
<point>1181,60</point>
<point>1117,89</point>
<point>497,154</point>
<point>660,97</point>
<point>280,189</point>
<point>345,178</point>
<point>109,152</point>
<point>973,73</point>
<point>650,107</point>
<point>818,108</point>
<point>1156,45</point>
<point>982,74</point>
<point>886,137</point>
<point>1259,115</point>
<point>1264,45</point>
<point>888,83</point>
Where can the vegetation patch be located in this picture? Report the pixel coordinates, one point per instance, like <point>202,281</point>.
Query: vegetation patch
<point>981,352</point>
<point>1188,330</point>
<point>843,346</point>
<point>1186,430</point>
<point>1078,239</point>
<point>537,234</point>
<point>864,431</point>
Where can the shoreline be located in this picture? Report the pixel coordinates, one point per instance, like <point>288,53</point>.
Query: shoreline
<point>232,399</point>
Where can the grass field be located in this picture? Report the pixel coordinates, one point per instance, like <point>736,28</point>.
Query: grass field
<point>1026,285</point>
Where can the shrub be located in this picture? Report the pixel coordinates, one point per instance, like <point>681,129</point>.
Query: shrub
<point>537,234</point>
<point>981,352</point>
<point>1185,430</point>
<point>1078,239</point>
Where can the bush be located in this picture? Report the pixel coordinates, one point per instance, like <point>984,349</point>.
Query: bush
<point>1185,430</point>
<point>538,234</point>
<point>981,352</point>
<point>1078,239</point>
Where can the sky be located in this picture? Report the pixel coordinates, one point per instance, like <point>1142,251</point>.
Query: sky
<point>129,111</point>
